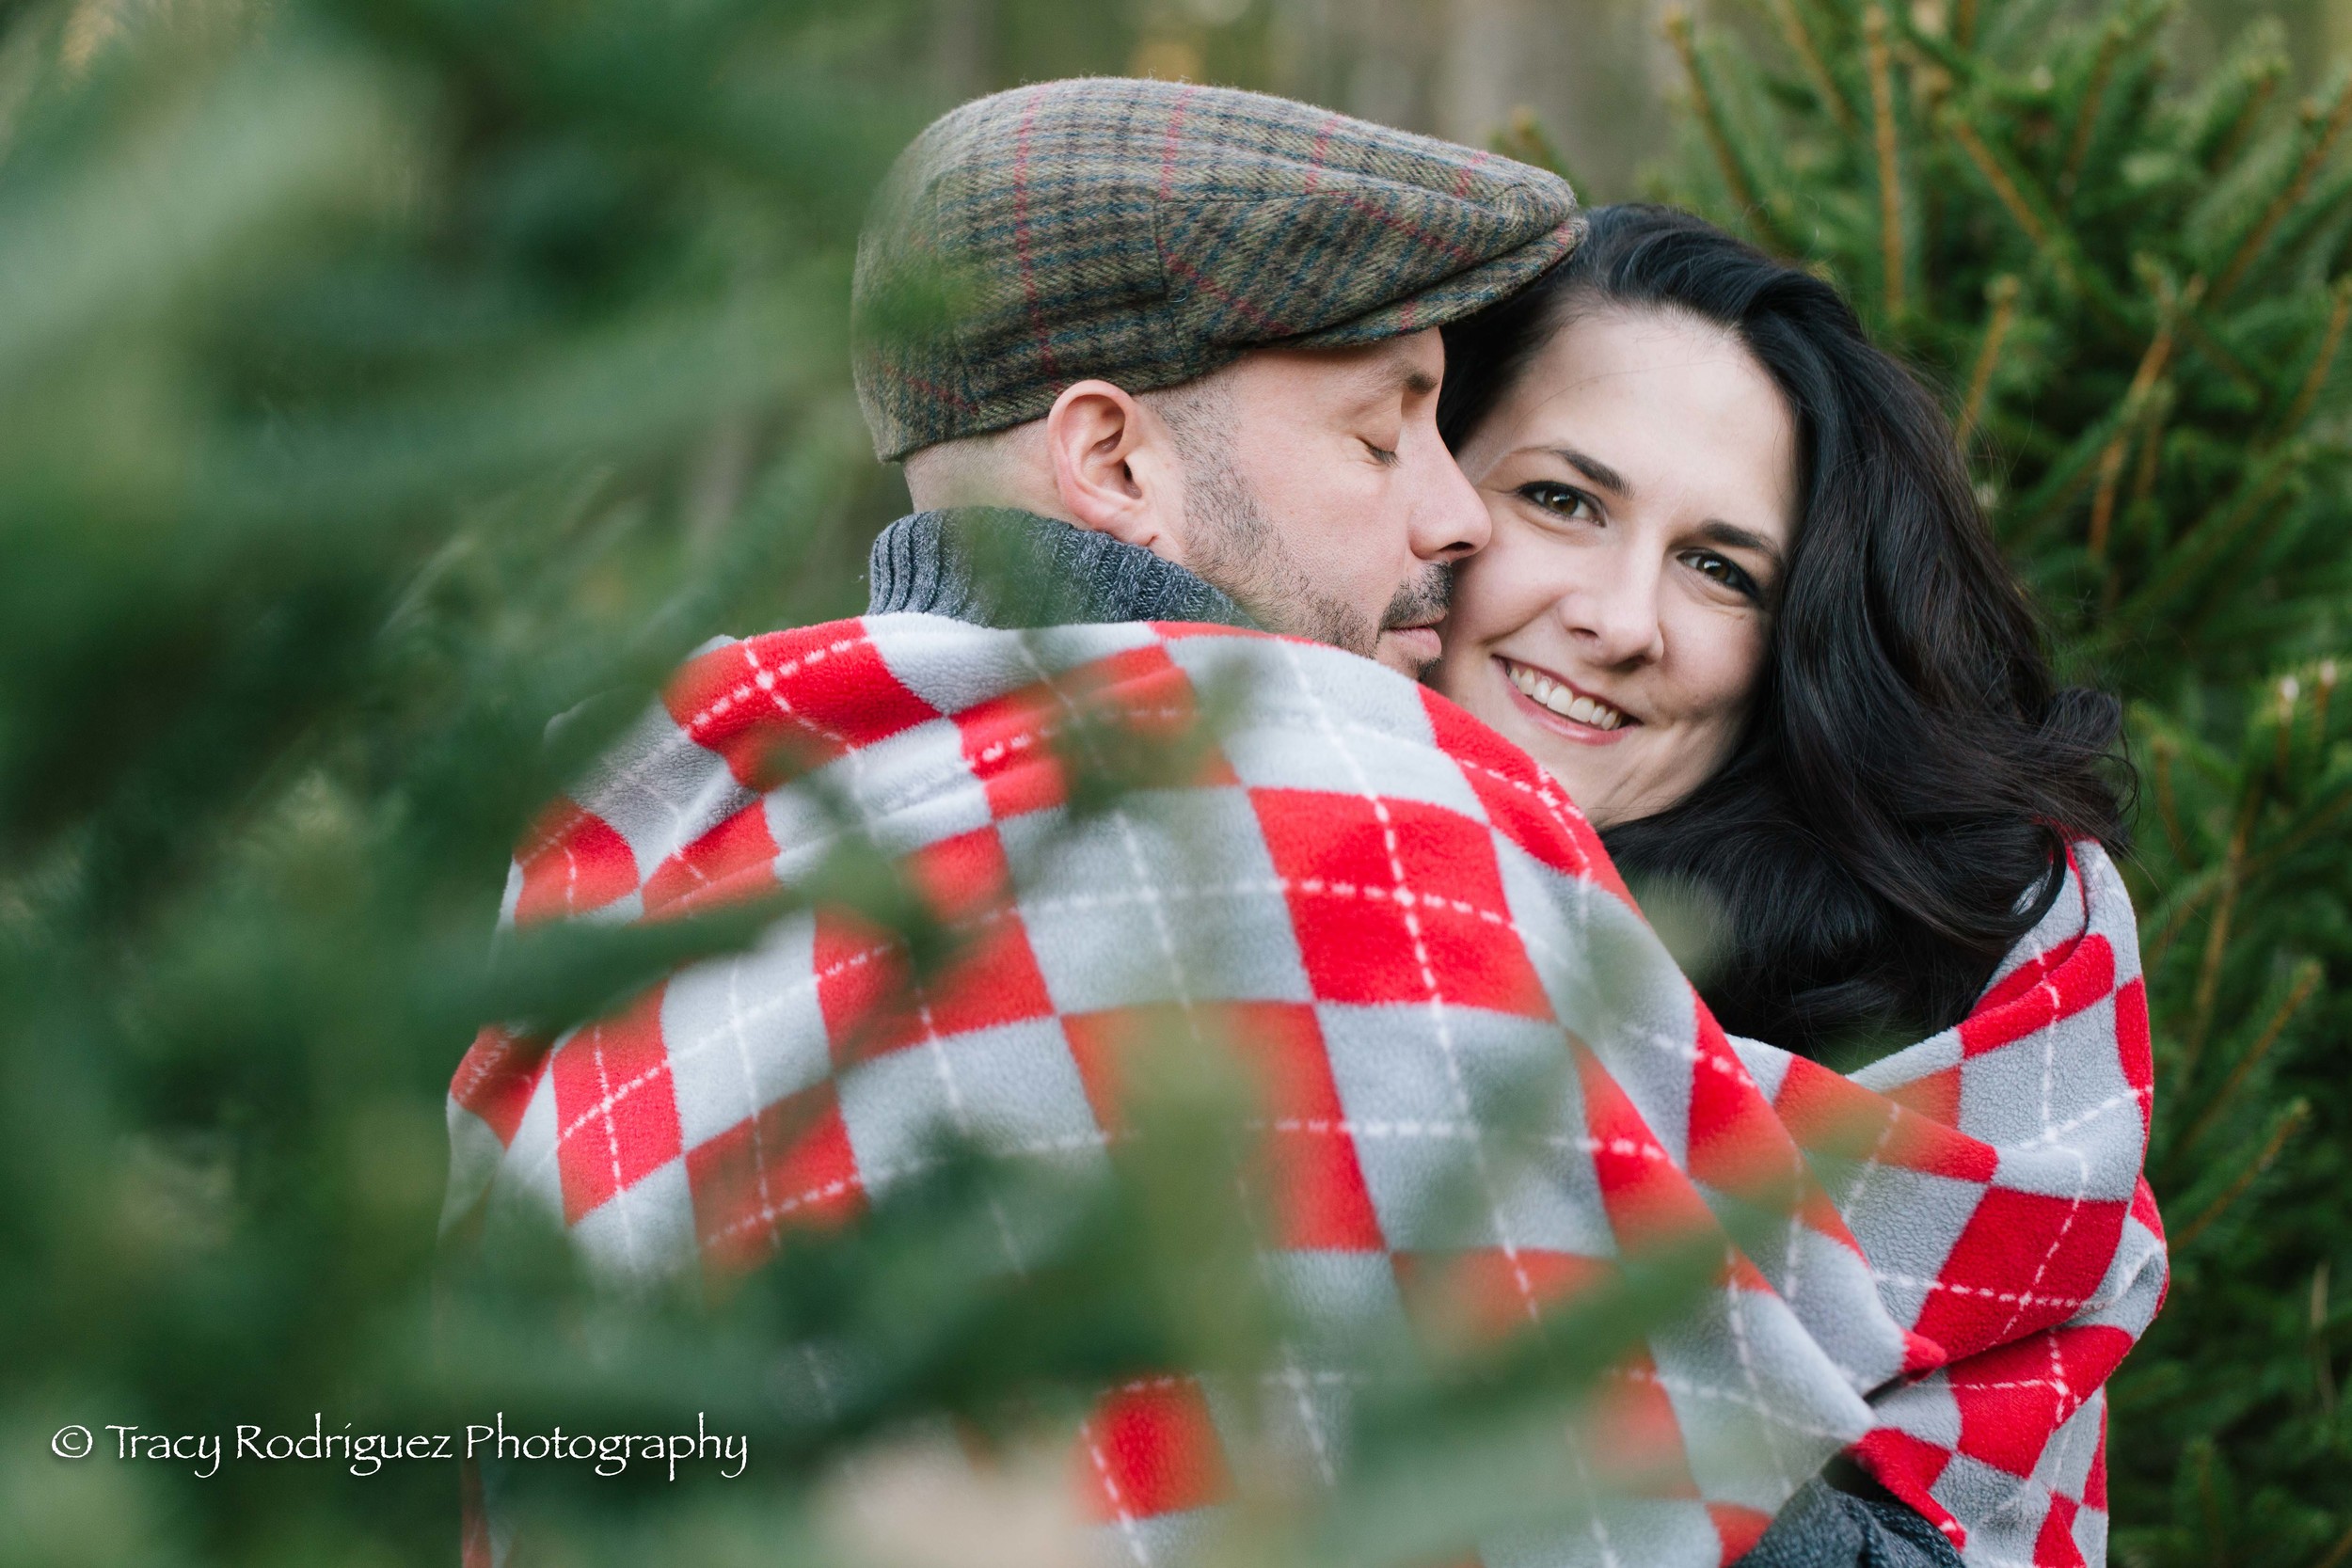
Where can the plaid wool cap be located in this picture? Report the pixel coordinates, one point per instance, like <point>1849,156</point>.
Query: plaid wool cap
<point>1147,232</point>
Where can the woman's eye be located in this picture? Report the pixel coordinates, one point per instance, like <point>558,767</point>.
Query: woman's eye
<point>1566,501</point>
<point>1385,456</point>
<point>1714,567</point>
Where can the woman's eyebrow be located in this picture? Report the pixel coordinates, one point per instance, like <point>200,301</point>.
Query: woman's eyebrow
<point>1716,531</point>
<point>1594,469</point>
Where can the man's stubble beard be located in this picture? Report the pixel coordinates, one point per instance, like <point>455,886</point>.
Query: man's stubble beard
<point>1235,548</point>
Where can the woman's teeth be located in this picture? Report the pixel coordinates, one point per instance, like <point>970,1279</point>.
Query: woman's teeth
<point>1558,698</point>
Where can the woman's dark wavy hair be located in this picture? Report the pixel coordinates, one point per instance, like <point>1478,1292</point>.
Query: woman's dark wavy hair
<point>1890,821</point>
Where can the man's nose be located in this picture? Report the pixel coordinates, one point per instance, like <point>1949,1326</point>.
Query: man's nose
<point>1613,613</point>
<point>1450,520</point>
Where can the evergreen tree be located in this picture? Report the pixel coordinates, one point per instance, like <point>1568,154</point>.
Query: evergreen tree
<point>2135,290</point>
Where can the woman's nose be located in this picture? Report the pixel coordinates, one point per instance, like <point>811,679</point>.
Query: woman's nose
<point>1614,613</point>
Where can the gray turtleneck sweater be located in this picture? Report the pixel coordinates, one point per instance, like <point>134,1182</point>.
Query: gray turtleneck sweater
<point>1004,568</point>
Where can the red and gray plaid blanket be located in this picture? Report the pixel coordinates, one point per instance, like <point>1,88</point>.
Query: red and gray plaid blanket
<point>1403,917</point>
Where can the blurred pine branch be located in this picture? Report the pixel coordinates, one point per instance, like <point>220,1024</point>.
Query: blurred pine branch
<point>381,380</point>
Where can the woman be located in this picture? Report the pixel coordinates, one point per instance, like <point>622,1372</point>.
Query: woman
<point>1740,601</point>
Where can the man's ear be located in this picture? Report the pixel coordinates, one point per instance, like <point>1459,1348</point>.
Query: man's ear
<point>1115,468</point>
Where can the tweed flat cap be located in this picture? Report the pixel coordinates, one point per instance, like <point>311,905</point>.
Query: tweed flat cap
<point>1147,232</point>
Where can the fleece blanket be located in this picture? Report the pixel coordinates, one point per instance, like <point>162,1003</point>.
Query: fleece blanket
<point>1402,917</point>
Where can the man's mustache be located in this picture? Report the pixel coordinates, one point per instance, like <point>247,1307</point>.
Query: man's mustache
<point>1423,599</point>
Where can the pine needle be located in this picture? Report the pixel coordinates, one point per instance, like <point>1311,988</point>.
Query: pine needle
<point>2318,823</point>
<point>2329,127</point>
<point>2257,99</point>
<point>2002,291</point>
<point>1998,177</point>
<point>2187,897</point>
<point>1524,138</point>
<point>2217,937</point>
<point>2206,542</point>
<point>2167,801</point>
<point>2322,1370</point>
<point>2087,116</point>
<point>2298,1116</point>
<point>2144,379</point>
<point>2339,310</point>
<point>1703,98</point>
<point>2151,447</point>
<point>2307,977</point>
<point>1825,87</point>
<point>2009,189</point>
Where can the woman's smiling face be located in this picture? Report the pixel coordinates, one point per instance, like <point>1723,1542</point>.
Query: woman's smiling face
<point>1642,475</point>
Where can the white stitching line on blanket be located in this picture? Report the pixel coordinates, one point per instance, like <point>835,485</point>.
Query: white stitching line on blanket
<point>751,1084</point>
<point>1128,1531</point>
<point>768,678</point>
<point>882,1175</point>
<point>2082,1169</point>
<point>613,1145</point>
<point>1675,1383</point>
<point>637,775</point>
<point>2084,1118</point>
<point>2059,1389</point>
<point>2024,1298</point>
<point>2034,1490</point>
<point>1553,805</point>
<point>1316,886</point>
<point>763,679</point>
<point>958,1114</point>
<point>675,1054</point>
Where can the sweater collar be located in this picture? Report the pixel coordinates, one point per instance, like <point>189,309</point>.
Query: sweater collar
<point>998,567</point>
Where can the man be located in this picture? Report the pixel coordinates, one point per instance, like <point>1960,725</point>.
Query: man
<point>1192,351</point>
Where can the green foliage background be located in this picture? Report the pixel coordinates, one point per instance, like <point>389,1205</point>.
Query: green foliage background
<point>379,378</point>
<point>2136,288</point>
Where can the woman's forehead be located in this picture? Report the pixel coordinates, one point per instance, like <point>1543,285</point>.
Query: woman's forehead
<point>1664,400</point>
<point>1609,354</point>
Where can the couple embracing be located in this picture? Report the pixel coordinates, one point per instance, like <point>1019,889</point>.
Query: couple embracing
<point>1675,576</point>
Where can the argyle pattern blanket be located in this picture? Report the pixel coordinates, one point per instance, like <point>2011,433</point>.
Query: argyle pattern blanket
<point>1404,922</point>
